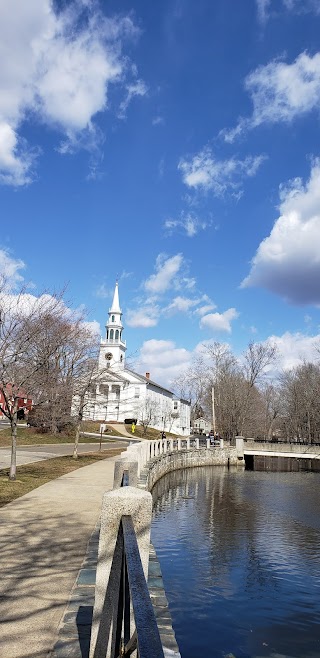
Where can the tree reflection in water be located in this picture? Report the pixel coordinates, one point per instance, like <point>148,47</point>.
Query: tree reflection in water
<point>239,553</point>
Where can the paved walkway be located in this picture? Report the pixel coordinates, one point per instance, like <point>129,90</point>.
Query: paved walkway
<point>43,539</point>
<point>31,454</point>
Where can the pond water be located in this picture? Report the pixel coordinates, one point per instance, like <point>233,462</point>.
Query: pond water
<point>240,558</point>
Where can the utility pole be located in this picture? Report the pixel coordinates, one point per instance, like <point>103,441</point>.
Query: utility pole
<point>213,411</point>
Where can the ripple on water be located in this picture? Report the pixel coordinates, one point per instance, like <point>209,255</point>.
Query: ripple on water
<point>239,554</point>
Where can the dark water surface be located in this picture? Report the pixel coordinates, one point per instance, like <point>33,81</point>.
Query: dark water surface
<point>240,557</point>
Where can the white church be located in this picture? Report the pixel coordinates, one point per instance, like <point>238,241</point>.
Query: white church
<point>119,394</point>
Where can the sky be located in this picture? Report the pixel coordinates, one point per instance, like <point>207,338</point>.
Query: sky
<point>172,146</point>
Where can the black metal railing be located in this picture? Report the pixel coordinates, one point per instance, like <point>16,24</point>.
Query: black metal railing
<point>133,597</point>
<point>133,591</point>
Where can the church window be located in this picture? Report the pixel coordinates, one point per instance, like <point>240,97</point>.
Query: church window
<point>136,392</point>
<point>116,391</point>
<point>117,334</point>
<point>107,334</point>
<point>175,404</point>
<point>111,334</point>
<point>121,358</point>
<point>112,319</point>
<point>104,389</point>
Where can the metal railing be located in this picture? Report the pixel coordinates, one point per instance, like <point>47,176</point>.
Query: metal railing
<point>133,591</point>
<point>275,441</point>
<point>127,621</point>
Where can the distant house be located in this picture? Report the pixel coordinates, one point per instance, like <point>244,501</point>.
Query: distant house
<point>24,402</point>
<point>201,425</point>
<point>118,393</point>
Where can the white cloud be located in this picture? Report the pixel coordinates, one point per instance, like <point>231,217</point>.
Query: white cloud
<point>144,316</point>
<point>219,176</point>
<point>188,223</point>
<point>203,310</point>
<point>15,159</point>
<point>103,292</point>
<point>287,262</point>
<point>294,348</point>
<point>219,321</point>
<point>93,327</point>
<point>57,68</point>
<point>281,92</point>
<point>163,360</point>
<point>180,305</point>
<point>137,88</point>
<point>262,9</point>
<point>297,6</point>
<point>158,121</point>
<point>166,270</point>
<point>10,270</point>
<point>185,304</point>
<point>302,6</point>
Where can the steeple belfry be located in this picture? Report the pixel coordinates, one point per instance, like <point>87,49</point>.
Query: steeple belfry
<point>113,348</point>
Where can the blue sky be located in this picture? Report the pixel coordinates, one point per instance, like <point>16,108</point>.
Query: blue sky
<point>174,145</point>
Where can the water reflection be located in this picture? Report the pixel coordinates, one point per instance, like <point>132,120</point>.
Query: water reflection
<point>239,553</point>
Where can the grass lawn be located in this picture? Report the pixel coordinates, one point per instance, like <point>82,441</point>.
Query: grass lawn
<point>26,436</point>
<point>151,434</point>
<point>31,476</point>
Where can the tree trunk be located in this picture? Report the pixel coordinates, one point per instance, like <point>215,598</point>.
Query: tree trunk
<point>78,426</point>
<point>13,420</point>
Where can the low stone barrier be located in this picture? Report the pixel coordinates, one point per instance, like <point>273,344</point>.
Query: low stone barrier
<point>173,461</point>
<point>162,456</point>
<point>286,449</point>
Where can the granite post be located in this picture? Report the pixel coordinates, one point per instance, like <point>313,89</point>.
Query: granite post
<point>115,504</point>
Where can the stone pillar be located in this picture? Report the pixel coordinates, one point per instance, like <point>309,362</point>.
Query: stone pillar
<point>115,504</point>
<point>188,444</point>
<point>171,445</point>
<point>179,444</point>
<point>121,465</point>
<point>240,447</point>
<point>208,443</point>
<point>221,443</point>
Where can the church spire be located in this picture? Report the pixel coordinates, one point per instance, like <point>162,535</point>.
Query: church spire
<point>115,308</point>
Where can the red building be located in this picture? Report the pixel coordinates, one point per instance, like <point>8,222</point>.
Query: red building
<point>24,402</point>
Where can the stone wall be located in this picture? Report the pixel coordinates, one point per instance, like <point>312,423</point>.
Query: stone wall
<point>173,461</point>
<point>295,449</point>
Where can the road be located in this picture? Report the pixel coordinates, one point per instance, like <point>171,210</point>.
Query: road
<point>30,454</point>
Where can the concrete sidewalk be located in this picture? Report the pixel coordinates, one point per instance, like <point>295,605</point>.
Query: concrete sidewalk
<point>43,540</point>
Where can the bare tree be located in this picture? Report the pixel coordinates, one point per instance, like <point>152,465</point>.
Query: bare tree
<point>192,386</point>
<point>257,358</point>
<point>147,413</point>
<point>24,320</point>
<point>271,400</point>
<point>300,395</point>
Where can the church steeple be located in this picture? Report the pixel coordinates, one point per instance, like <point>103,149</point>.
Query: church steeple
<point>114,347</point>
<point>115,308</point>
